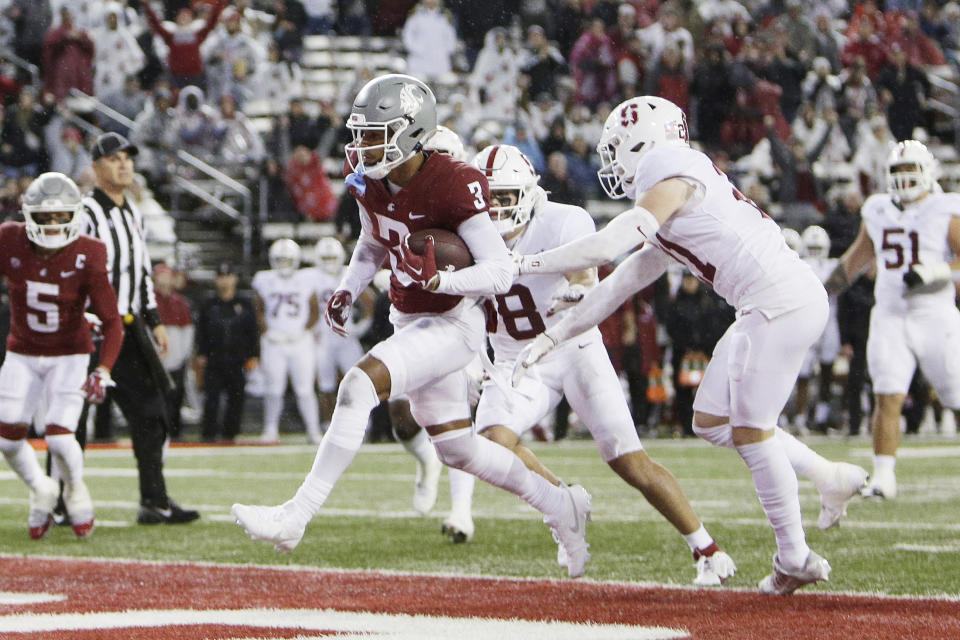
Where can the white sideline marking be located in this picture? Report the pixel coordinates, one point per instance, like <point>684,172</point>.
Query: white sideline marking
<point>18,598</point>
<point>388,627</point>
<point>925,548</point>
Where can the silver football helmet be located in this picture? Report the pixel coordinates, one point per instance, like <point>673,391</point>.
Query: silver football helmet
<point>792,238</point>
<point>445,140</point>
<point>402,110</point>
<point>52,193</point>
<point>816,242</point>
<point>911,171</point>
<point>633,128</point>
<point>512,179</point>
<point>284,256</point>
<point>330,255</point>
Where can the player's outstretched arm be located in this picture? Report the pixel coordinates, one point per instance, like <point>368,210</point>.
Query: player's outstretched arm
<point>853,262</point>
<point>634,274</point>
<point>622,234</point>
<point>492,269</point>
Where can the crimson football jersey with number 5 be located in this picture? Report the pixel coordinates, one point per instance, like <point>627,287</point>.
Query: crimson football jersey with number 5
<point>443,194</point>
<point>48,296</point>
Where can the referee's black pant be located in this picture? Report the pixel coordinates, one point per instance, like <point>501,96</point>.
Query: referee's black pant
<point>142,403</point>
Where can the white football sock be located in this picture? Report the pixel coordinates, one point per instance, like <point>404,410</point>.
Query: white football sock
<point>66,451</point>
<point>272,407</point>
<point>461,491</point>
<point>804,460</point>
<point>885,462</point>
<point>497,465</point>
<point>355,400</point>
<point>776,486</point>
<point>420,447</point>
<point>699,539</point>
<point>23,460</point>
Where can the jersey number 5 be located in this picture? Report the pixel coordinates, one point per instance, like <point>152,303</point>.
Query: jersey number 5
<point>43,316</point>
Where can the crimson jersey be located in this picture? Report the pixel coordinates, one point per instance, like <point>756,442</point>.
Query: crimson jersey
<point>48,296</point>
<point>444,193</point>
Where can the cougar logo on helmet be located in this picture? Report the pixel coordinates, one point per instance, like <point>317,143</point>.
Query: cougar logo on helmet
<point>410,100</point>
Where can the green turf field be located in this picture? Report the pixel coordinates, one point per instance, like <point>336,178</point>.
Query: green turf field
<point>907,546</point>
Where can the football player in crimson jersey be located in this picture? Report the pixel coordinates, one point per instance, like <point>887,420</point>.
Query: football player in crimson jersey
<point>686,210</point>
<point>52,271</point>
<point>580,368</point>
<point>438,316</point>
<point>912,236</point>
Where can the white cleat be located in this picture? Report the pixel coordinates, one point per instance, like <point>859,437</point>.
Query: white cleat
<point>570,529</point>
<point>882,485</point>
<point>80,509</point>
<point>847,481</point>
<point>275,525</point>
<point>783,582</point>
<point>428,479</point>
<point>42,503</point>
<point>458,527</point>
<point>714,570</point>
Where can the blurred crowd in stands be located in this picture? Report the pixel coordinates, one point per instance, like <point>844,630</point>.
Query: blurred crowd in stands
<point>796,101</point>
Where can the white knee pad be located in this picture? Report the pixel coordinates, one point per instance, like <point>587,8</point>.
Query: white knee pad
<point>355,400</point>
<point>456,448</point>
<point>720,436</point>
<point>9,447</point>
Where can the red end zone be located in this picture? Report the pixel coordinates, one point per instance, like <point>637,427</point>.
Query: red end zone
<point>134,600</point>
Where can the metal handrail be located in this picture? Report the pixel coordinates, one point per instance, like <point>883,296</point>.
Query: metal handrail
<point>201,193</point>
<point>246,195</point>
<point>26,65</point>
<point>189,158</point>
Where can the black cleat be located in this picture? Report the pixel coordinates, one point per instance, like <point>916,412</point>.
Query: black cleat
<point>172,514</point>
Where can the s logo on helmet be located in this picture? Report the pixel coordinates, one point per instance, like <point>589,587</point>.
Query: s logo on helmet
<point>629,115</point>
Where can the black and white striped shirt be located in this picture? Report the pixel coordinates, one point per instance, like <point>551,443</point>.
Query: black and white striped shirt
<point>128,263</point>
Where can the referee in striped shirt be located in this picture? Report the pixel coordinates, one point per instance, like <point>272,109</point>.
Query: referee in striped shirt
<point>140,380</point>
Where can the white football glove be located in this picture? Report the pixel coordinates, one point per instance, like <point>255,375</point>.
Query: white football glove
<point>570,297</point>
<point>531,354</point>
<point>524,264</point>
<point>927,275</point>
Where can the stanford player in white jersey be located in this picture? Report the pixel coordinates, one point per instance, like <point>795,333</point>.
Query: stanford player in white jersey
<point>52,272</point>
<point>815,251</point>
<point>578,368</point>
<point>688,211</point>
<point>335,353</point>
<point>287,310</point>
<point>437,315</point>
<point>912,235</point>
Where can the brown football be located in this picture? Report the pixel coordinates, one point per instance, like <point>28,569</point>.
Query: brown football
<point>450,250</point>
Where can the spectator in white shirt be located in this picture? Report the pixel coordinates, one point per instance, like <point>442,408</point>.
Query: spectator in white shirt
<point>430,40</point>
